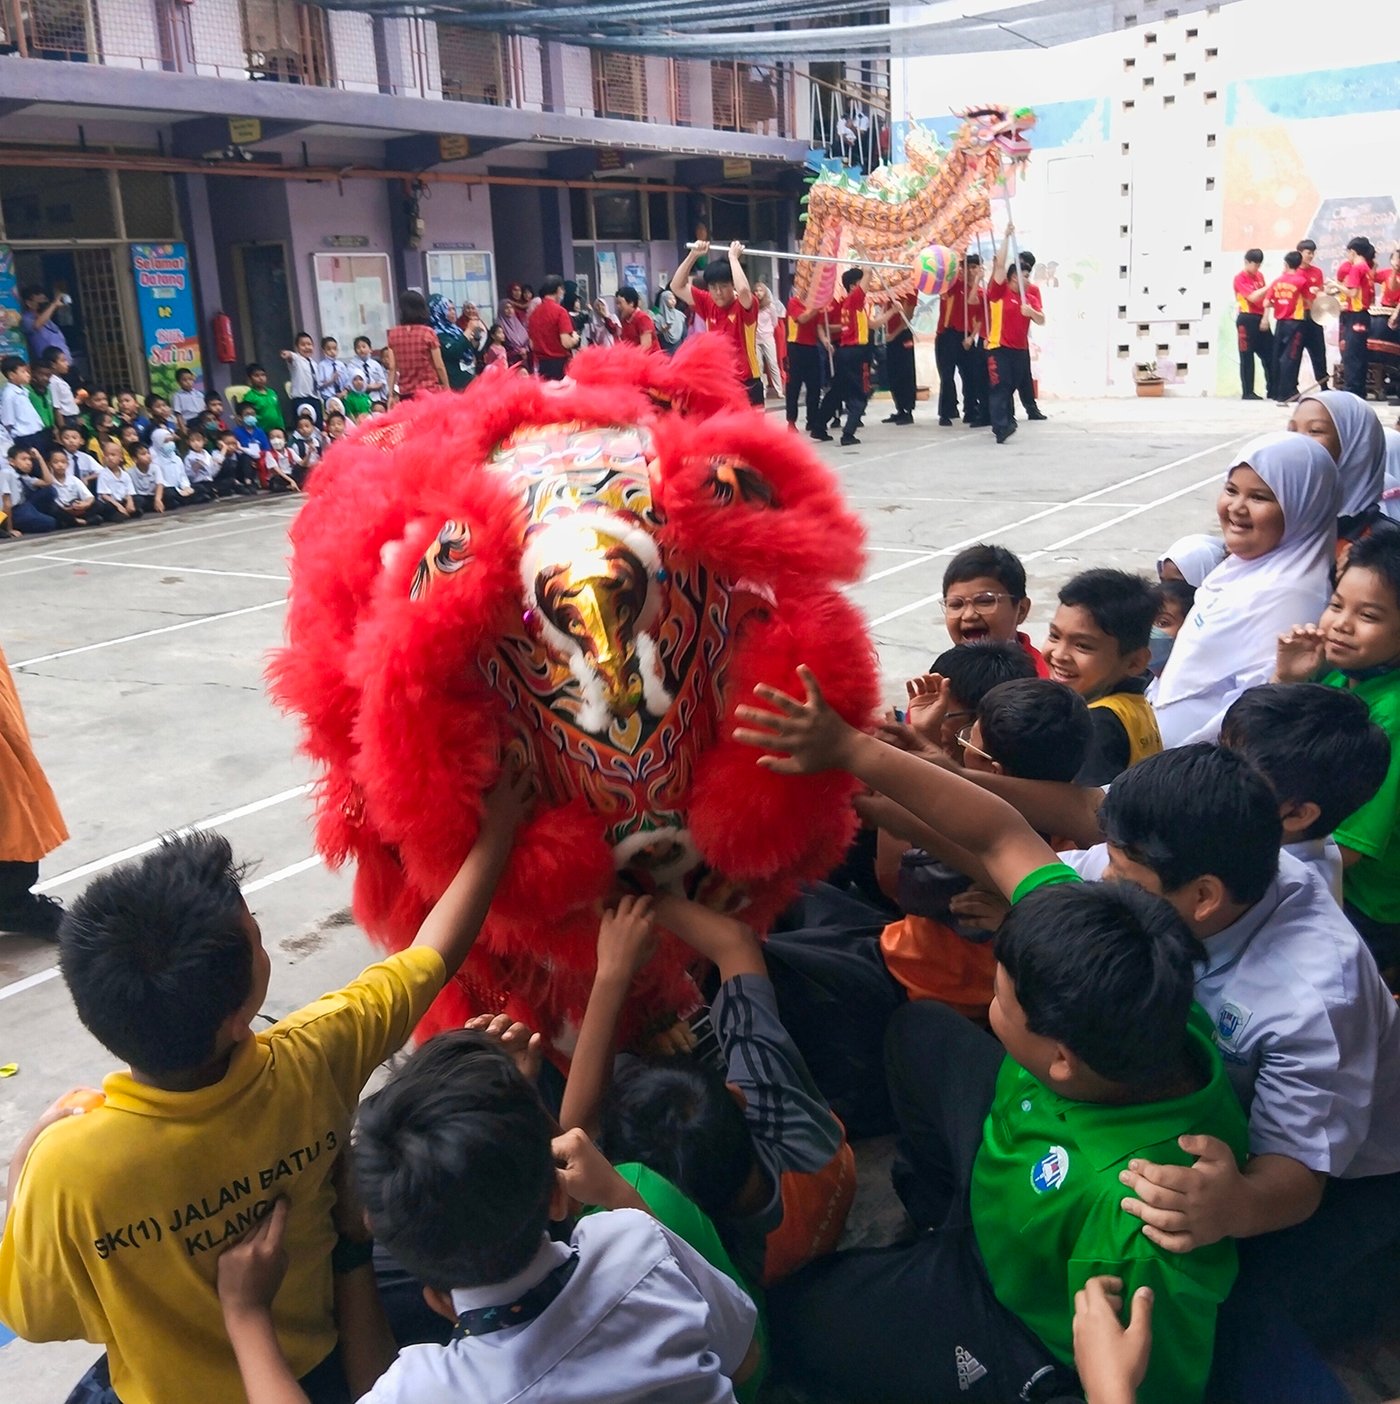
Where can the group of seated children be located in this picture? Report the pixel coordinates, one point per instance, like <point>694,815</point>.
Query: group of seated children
<point>1117,1001</point>
<point>106,462</point>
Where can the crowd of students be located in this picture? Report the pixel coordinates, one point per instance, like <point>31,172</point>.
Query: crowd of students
<point>1109,960</point>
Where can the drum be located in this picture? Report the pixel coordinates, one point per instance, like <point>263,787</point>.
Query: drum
<point>1383,345</point>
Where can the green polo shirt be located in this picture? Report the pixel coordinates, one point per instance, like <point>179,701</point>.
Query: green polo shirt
<point>1372,883</point>
<point>268,406</point>
<point>1046,1212</point>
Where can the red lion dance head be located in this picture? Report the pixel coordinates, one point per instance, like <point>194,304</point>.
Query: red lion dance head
<point>586,577</point>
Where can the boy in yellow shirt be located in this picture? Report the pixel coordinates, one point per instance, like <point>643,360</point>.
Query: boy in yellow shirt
<point>117,1217</point>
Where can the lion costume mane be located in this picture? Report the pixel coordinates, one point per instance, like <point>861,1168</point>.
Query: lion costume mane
<point>585,577</point>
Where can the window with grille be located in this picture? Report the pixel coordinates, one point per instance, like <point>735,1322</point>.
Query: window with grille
<point>58,29</point>
<point>109,354</point>
<point>472,64</point>
<point>286,42</point>
<point>621,84</point>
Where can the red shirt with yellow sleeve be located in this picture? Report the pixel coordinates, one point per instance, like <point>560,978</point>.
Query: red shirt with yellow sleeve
<point>737,323</point>
<point>855,325</point>
<point>1286,296</point>
<point>1008,325</point>
<point>1245,283</point>
<point>1360,285</point>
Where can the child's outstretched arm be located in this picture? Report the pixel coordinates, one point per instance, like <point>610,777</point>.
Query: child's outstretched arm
<point>729,944</point>
<point>804,736</point>
<point>626,941</point>
<point>249,1275</point>
<point>451,928</point>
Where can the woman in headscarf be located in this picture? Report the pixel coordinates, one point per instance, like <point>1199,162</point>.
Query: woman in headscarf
<point>1191,559</point>
<point>517,337</point>
<point>670,321</point>
<point>1348,429</point>
<point>413,359</point>
<point>1278,514</point>
<point>458,355</point>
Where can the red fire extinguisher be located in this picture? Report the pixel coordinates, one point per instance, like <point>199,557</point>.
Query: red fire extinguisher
<point>223,338</point>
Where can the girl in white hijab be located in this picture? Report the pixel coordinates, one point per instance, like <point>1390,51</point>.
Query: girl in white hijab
<point>1278,512</point>
<point>1193,556</point>
<point>1390,498</point>
<point>1348,429</point>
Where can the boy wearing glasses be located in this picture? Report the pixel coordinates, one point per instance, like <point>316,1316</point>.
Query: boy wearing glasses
<point>984,600</point>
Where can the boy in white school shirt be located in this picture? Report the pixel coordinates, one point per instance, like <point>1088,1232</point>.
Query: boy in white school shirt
<point>200,467</point>
<point>331,378</point>
<point>188,403</point>
<point>60,393</point>
<point>376,377</point>
<point>81,464</point>
<point>460,1173</point>
<point>303,389</point>
<point>18,417</point>
<point>115,488</point>
<point>170,469</point>
<point>73,504</point>
<point>145,481</point>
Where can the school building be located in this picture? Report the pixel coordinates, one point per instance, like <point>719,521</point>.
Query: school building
<point>175,163</point>
<point>1163,149</point>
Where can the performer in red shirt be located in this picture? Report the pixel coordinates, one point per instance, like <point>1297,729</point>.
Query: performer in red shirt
<point>806,342</point>
<point>1388,283</point>
<point>1254,340</point>
<point>948,346</point>
<point>1287,299</point>
<point>1360,288</point>
<point>551,330</point>
<point>1008,340</point>
<point>634,323</point>
<point>1314,340</point>
<point>850,385</point>
<point>972,358</point>
<point>727,306</point>
<point>897,321</point>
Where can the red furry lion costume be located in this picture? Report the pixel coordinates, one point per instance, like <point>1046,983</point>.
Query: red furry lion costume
<point>590,576</point>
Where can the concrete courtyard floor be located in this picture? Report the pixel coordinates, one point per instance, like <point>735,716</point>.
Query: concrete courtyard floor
<point>139,651</point>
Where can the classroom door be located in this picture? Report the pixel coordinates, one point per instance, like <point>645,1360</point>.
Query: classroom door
<point>264,304</point>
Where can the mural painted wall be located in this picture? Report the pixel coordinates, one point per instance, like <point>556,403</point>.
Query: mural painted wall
<point>1300,163</point>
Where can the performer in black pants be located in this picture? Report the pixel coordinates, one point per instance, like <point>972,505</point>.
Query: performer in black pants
<point>805,355</point>
<point>1249,330</point>
<point>899,360</point>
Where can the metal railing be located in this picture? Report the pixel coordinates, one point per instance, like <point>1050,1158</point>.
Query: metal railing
<point>287,41</point>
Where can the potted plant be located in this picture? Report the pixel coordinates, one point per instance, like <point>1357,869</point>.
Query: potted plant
<point>1148,380</point>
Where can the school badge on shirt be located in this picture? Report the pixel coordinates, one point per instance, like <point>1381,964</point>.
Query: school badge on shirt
<point>1048,1173</point>
<point>1230,1025</point>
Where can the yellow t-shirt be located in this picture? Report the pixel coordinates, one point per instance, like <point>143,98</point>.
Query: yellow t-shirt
<point>119,1214</point>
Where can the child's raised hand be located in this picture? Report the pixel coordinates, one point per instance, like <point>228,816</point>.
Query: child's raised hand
<point>626,938</point>
<point>1111,1360</point>
<point>807,733</point>
<point>1301,653</point>
<point>520,1042</point>
<point>250,1272</point>
<point>509,801</point>
<point>587,1177</point>
<point>984,910</point>
<point>928,705</point>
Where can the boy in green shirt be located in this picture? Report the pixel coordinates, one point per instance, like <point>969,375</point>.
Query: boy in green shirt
<point>263,398</point>
<point>1011,1164</point>
<point>1356,646</point>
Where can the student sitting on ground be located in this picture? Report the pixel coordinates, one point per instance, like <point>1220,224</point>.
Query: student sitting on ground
<point>1357,647</point>
<point>762,1154</point>
<point>307,442</point>
<point>74,505</point>
<point>1010,1156</point>
<point>117,1216</point>
<point>279,465</point>
<point>170,468</point>
<point>1099,644</point>
<point>31,493</point>
<point>985,600</point>
<point>1173,599</point>
<point>264,400</point>
<point>1310,1034</point>
<point>129,413</point>
<point>200,468</point>
<point>236,469</point>
<point>461,1174</point>
<point>356,400</point>
<point>252,438</point>
<point>81,465</point>
<point>841,968</point>
<point>115,490</point>
<point>145,481</point>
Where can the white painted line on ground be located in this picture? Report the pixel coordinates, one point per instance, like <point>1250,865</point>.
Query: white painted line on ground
<point>145,565</point>
<point>998,532</point>
<point>899,550</point>
<point>42,977</point>
<point>1122,517</point>
<point>147,633</point>
<point>136,850</point>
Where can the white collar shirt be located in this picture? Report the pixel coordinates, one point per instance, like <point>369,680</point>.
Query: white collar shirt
<point>69,490</point>
<point>1308,1031</point>
<point>643,1317</point>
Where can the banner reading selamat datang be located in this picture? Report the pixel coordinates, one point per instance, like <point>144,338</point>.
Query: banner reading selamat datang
<point>169,327</point>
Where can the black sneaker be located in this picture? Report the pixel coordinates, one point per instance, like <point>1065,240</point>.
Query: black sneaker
<point>849,441</point>
<point>1002,435</point>
<point>34,916</point>
<point>1037,415</point>
<point>821,436</point>
<point>905,419</point>
<point>890,419</point>
<point>1251,397</point>
<point>943,422</point>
